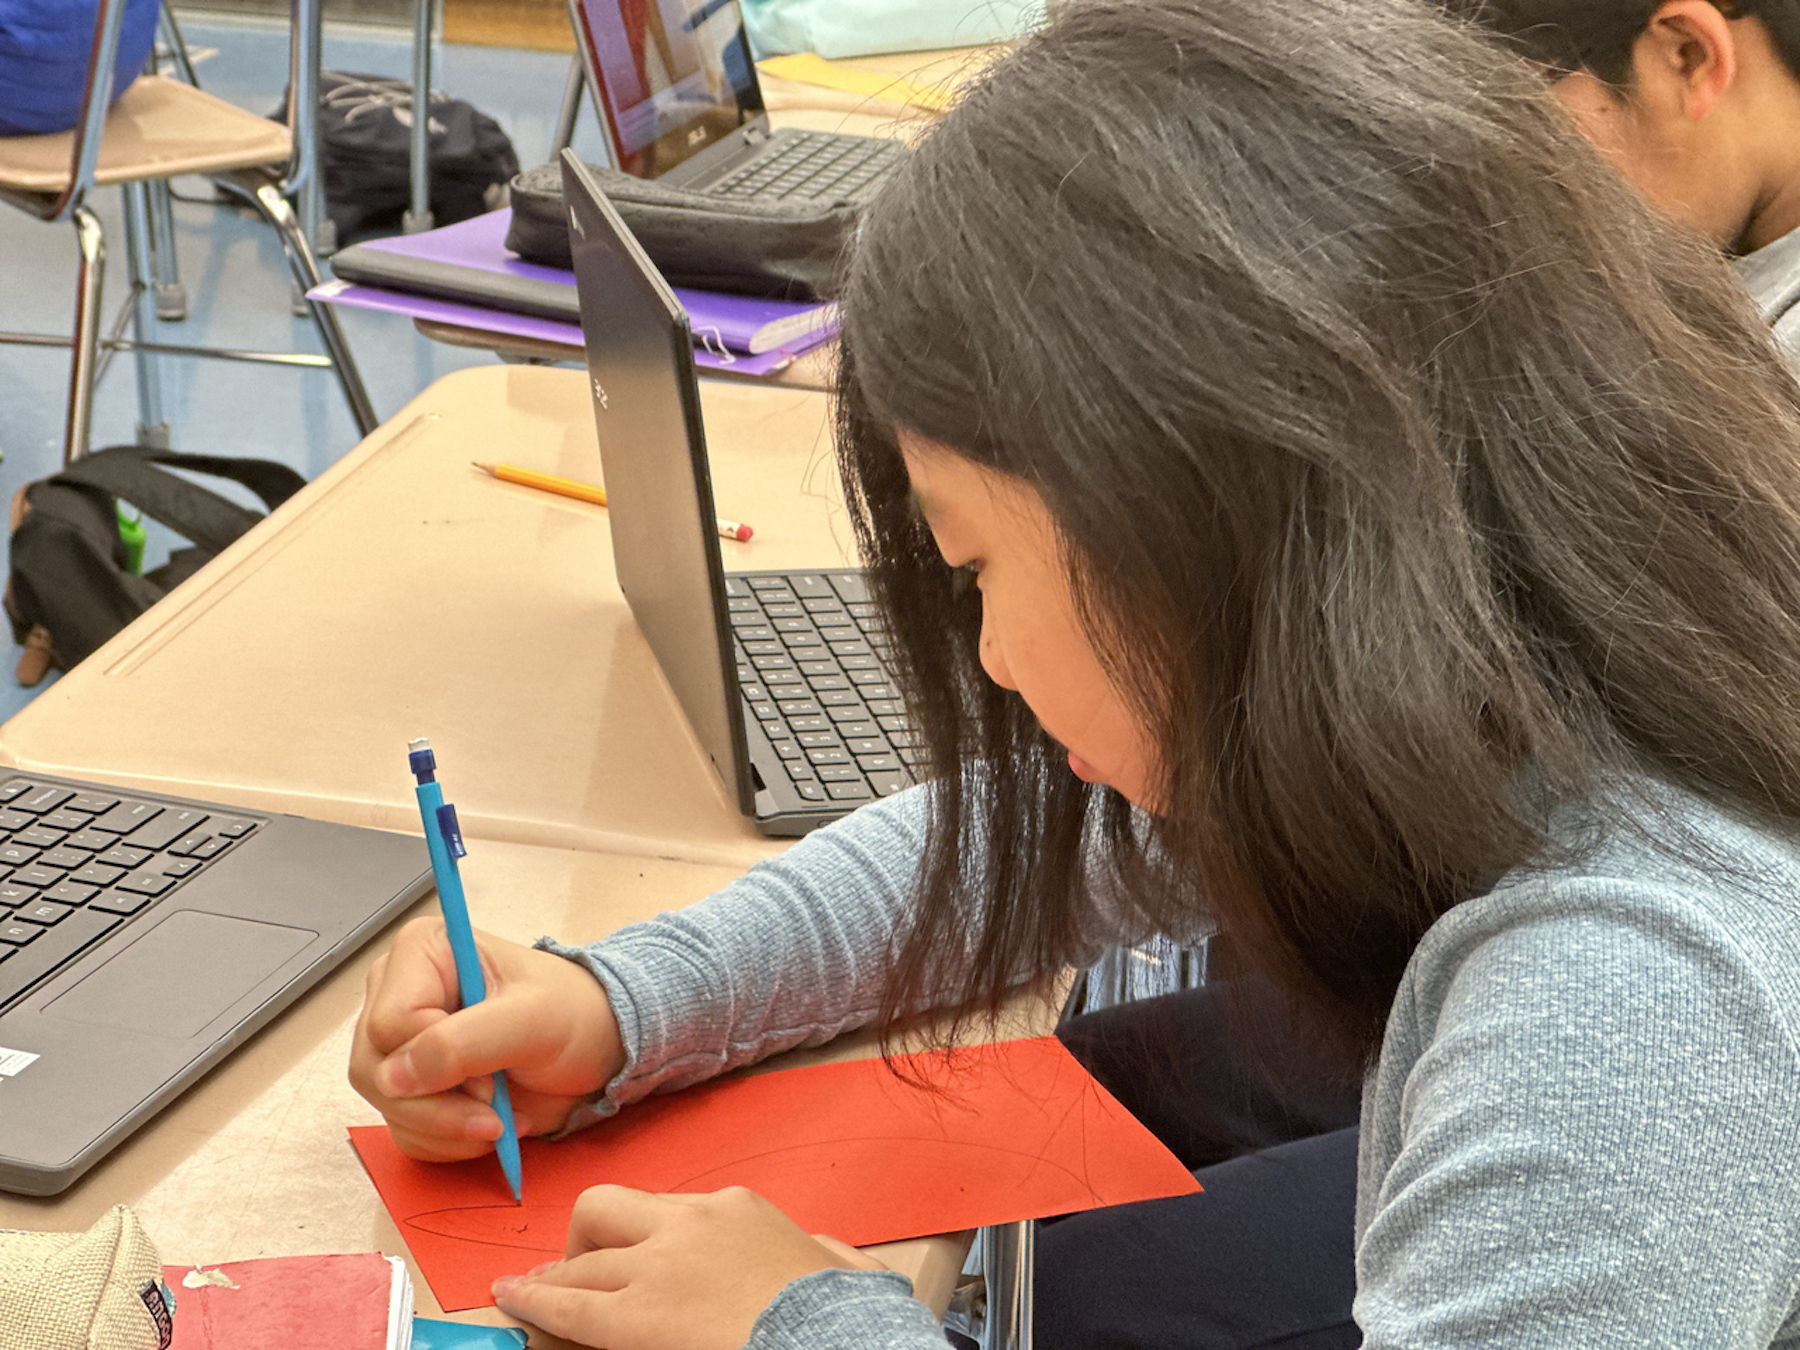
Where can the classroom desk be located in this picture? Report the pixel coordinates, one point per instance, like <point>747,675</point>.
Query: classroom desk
<point>403,593</point>
<point>253,1161</point>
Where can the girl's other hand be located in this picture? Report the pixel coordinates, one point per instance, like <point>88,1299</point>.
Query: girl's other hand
<point>669,1272</point>
<point>427,1067</point>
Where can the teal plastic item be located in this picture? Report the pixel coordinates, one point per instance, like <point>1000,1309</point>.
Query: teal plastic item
<point>131,534</point>
<point>444,842</point>
<point>429,1334</point>
<point>835,28</point>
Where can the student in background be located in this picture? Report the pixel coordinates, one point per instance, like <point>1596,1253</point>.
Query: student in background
<point>1307,488</point>
<point>1698,104</point>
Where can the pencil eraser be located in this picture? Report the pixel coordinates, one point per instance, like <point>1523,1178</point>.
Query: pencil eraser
<point>743,534</point>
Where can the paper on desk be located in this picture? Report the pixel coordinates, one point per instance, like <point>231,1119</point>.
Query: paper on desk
<point>1010,1131</point>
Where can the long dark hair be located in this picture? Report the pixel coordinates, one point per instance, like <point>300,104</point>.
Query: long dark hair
<point>1402,459</point>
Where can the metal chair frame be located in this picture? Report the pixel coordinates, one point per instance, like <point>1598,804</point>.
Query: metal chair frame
<point>268,191</point>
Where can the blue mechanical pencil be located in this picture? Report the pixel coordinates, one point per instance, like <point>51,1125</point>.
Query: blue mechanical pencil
<point>444,839</point>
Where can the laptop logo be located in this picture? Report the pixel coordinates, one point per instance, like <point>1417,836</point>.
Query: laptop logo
<point>599,393</point>
<point>697,135</point>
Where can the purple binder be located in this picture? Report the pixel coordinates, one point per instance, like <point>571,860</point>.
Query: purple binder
<point>485,320</point>
<point>468,264</point>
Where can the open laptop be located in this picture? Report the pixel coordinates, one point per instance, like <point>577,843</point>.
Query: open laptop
<point>676,90</point>
<point>783,675</point>
<point>145,937</point>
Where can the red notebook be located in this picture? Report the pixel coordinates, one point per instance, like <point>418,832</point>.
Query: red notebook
<point>357,1302</point>
<point>1016,1130</point>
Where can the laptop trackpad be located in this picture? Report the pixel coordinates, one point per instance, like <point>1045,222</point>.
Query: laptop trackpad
<point>182,974</point>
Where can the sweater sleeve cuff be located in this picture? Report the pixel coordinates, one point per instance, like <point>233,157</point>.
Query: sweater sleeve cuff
<point>617,1091</point>
<point>841,1309</point>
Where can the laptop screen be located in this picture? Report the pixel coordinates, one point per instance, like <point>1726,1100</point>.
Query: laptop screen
<point>675,77</point>
<point>658,484</point>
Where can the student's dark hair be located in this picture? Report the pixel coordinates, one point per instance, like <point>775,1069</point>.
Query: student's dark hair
<point>1597,35</point>
<point>1411,474</point>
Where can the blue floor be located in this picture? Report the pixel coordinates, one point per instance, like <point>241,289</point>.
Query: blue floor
<point>238,286</point>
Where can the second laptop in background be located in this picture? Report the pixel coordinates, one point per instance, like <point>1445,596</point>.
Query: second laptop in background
<point>676,90</point>
<point>783,676</point>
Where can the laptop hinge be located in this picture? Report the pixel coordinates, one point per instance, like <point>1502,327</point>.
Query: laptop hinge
<point>756,135</point>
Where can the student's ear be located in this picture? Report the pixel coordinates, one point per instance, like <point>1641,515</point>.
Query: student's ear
<point>1686,58</point>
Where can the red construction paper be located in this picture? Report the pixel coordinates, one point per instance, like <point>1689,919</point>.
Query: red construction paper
<point>291,1302</point>
<point>1014,1130</point>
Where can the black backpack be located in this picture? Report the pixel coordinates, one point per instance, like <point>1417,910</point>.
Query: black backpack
<point>365,150</point>
<point>70,589</point>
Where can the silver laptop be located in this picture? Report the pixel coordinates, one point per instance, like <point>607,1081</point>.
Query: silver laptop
<point>144,937</point>
<point>783,675</point>
<point>676,91</point>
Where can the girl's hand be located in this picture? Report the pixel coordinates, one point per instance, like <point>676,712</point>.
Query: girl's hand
<point>669,1272</point>
<point>428,1069</point>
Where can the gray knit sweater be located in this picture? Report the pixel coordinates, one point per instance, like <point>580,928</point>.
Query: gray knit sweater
<point>1583,1128</point>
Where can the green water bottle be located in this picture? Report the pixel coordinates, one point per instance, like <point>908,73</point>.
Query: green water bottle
<point>131,534</point>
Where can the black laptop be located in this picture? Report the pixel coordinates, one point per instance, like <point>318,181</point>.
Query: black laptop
<point>783,675</point>
<point>145,937</point>
<point>676,90</point>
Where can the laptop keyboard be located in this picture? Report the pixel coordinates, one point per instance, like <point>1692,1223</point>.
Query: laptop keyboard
<point>75,864</point>
<point>812,666</point>
<point>811,164</point>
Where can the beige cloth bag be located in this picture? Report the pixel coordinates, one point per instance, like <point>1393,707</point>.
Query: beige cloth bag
<point>98,1290</point>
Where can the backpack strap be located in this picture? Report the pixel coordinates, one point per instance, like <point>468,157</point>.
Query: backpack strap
<point>195,513</point>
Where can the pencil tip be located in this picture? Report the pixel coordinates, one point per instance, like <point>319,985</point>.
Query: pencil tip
<point>485,468</point>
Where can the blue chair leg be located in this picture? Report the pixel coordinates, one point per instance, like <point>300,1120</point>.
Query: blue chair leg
<point>152,426</point>
<point>171,295</point>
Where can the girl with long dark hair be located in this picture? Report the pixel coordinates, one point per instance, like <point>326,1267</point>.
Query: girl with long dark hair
<point>1310,494</point>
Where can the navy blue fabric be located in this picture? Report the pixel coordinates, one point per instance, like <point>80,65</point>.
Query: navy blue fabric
<point>1264,1257</point>
<point>44,50</point>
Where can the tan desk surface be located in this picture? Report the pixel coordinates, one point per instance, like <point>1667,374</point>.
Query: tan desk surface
<point>404,593</point>
<point>254,1161</point>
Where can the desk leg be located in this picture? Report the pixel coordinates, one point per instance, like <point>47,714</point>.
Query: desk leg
<point>418,216</point>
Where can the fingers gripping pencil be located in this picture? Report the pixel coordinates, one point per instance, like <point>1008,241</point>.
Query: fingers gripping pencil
<point>444,840</point>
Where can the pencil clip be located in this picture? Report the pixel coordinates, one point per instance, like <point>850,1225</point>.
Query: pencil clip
<point>451,831</point>
<point>714,342</point>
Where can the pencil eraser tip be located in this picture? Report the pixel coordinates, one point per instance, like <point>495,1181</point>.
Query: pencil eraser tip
<point>743,533</point>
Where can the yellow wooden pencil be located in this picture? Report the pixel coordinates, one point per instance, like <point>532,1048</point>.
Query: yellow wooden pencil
<point>584,492</point>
